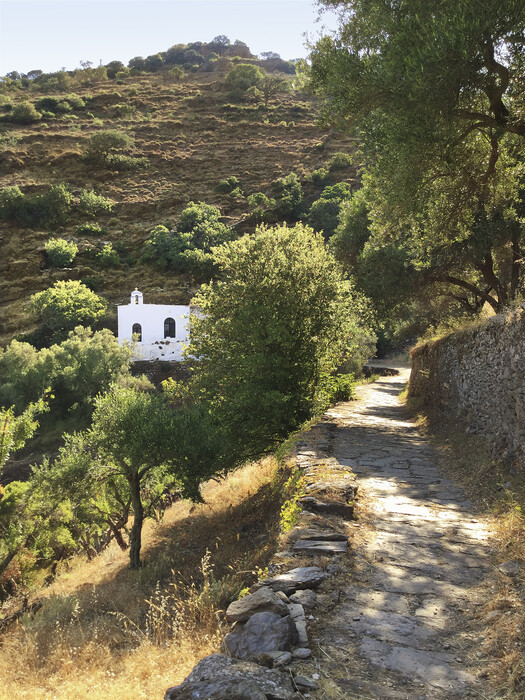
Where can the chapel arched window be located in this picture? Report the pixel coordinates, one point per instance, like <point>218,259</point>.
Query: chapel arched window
<point>169,328</point>
<point>137,330</point>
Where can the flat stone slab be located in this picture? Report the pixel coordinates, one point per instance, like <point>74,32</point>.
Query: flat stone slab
<point>397,579</point>
<point>315,505</point>
<point>421,557</point>
<point>326,535</point>
<point>392,627</point>
<point>382,600</point>
<point>320,547</point>
<point>424,528</point>
<point>295,579</point>
<point>434,668</point>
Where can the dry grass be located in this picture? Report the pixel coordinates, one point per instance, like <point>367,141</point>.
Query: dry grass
<point>104,631</point>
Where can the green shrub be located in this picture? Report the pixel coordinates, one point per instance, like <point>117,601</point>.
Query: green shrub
<point>343,388</point>
<point>226,186</point>
<point>108,256</point>
<point>89,229</point>
<point>289,195</point>
<point>188,247</point>
<point>244,76</point>
<point>24,113</point>
<point>52,207</point>
<point>319,177</point>
<point>93,283</point>
<point>124,110</point>
<point>122,163</point>
<point>105,145</point>
<point>64,306</point>
<point>340,161</point>
<point>92,204</point>
<point>11,202</point>
<point>6,103</point>
<point>259,204</point>
<point>59,252</point>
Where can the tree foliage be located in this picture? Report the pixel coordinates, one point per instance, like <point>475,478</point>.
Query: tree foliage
<point>435,93</point>
<point>269,332</point>
<point>188,247</point>
<point>64,306</point>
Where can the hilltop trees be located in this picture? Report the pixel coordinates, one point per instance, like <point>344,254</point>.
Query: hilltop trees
<point>435,94</point>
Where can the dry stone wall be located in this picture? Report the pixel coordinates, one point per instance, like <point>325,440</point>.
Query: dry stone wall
<point>478,375</point>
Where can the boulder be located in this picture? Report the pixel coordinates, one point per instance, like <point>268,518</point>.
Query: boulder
<point>218,677</point>
<point>264,631</point>
<point>263,600</point>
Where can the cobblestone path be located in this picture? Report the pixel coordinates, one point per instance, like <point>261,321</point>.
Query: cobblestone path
<point>404,626</point>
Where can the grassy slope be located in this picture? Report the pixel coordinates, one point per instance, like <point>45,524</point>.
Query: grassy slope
<point>191,138</point>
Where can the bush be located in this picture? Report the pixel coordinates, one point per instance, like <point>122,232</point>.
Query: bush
<point>122,163</point>
<point>106,145</point>
<point>188,247</point>
<point>11,202</point>
<point>60,253</point>
<point>108,256</point>
<point>92,204</point>
<point>89,229</point>
<point>64,306</point>
<point>324,212</point>
<point>340,161</point>
<point>244,76</point>
<point>124,111</point>
<point>53,207</point>
<point>228,185</point>
<point>259,204</point>
<point>289,194</point>
<point>319,177</point>
<point>24,113</point>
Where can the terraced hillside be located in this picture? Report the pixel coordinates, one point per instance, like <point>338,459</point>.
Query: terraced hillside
<point>191,136</point>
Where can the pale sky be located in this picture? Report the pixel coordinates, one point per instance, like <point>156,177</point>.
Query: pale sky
<point>51,34</point>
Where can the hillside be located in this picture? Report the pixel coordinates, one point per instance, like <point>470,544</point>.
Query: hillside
<point>191,134</point>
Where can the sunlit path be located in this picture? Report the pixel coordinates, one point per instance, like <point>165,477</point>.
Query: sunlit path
<point>403,623</point>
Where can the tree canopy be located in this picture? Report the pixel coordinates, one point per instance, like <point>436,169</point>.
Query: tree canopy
<point>64,306</point>
<point>269,331</point>
<point>435,93</point>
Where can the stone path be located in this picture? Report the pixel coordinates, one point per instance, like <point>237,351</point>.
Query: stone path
<point>401,628</point>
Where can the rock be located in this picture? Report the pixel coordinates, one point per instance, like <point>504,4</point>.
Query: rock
<point>304,682</point>
<point>295,579</point>
<point>264,631</point>
<point>346,489</point>
<point>307,598</point>
<point>274,659</point>
<point>263,600</point>
<point>282,596</point>
<point>302,635</point>
<point>218,677</point>
<point>344,510</point>
<point>301,653</point>
<point>319,547</point>
<point>296,611</point>
<point>325,535</point>
<point>510,568</point>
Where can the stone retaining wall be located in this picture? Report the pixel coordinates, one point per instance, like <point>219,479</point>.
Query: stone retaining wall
<point>478,375</point>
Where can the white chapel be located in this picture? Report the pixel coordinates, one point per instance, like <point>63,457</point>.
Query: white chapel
<point>160,330</point>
